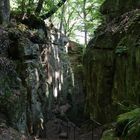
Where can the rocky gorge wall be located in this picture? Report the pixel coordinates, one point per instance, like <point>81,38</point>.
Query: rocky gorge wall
<point>36,78</point>
<point>111,61</point>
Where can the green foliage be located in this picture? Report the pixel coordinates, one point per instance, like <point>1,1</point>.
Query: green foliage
<point>125,105</point>
<point>74,23</point>
<point>130,124</point>
<point>69,18</point>
<point>23,6</point>
<point>29,6</point>
<point>49,4</point>
<point>121,49</point>
<point>108,135</point>
<point>131,115</point>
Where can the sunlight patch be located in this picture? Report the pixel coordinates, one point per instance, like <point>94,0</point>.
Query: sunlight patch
<point>55,92</point>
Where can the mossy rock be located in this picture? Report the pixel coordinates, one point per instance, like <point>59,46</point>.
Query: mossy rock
<point>111,67</point>
<point>108,135</point>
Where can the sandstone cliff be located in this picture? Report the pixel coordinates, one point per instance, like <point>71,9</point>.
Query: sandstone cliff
<point>111,61</point>
<point>36,78</point>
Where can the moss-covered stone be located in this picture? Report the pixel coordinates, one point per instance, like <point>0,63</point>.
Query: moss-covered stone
<point>12,93</point>
<point>115,8</point>
<point>109,135</point>
<point>111,64</point>
<point>37,77</point>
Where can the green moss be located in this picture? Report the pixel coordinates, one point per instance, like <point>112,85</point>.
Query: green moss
<point>111,68</point>
<point>109,135</point>
<point>121,50</point>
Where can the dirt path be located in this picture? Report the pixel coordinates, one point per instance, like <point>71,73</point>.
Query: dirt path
<point>59,130</point>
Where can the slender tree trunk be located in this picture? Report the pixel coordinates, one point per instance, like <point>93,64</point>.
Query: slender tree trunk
<point>61,25</point>
<point>23,6</point>
<point>39,7</point>
<point>30,4</point>
<point>4,11</point>
<point>62,18</point>
<point>84,17</point>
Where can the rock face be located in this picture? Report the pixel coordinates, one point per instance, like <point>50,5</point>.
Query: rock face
<point>12,92</point>
<point>4,11</point>
<point>37,81</point>
<point>115,8</point>
<point>112,59</point>
<point>75,52</point>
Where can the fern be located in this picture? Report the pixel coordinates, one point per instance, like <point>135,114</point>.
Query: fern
<point>128,124</point>
<point>134,114</point>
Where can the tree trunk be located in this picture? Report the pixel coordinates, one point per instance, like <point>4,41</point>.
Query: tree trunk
<point>84,17</point>
<point>62,18</point>
<point>4,11</point>
<point>23,6</point>
<point>39,7</point>
<point>53,10</point>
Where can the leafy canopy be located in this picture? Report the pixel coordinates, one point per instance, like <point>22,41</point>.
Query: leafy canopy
<point>74,18</point>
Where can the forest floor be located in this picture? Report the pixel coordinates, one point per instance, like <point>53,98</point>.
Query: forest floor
<point>59,130</point>
<point>55,129</point>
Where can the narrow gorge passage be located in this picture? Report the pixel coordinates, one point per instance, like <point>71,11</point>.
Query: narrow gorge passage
<point>53,87</point>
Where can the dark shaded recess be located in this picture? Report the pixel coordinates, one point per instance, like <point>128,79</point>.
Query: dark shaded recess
<point>13,51</point>
<point>13,48</point>
<point>1,17</point>
<point>69,98</point>
<point>4,116</point>
<point>36,39</point>
<point>121,129</point>
<point>16,15</point>
<point>29,57</point>
<point>34,22</point>
<point>13,35</point>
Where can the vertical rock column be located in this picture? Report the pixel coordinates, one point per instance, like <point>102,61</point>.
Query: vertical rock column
<point>4,11</point>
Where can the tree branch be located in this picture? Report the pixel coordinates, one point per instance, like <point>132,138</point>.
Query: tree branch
<point>53,10</point>
<point>39,7</point>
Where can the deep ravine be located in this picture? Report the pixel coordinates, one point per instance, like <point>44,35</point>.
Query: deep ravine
<point>50,90</point>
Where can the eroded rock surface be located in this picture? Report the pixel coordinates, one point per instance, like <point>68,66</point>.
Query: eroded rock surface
<point>36,78</point>
<point>112,61</point>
